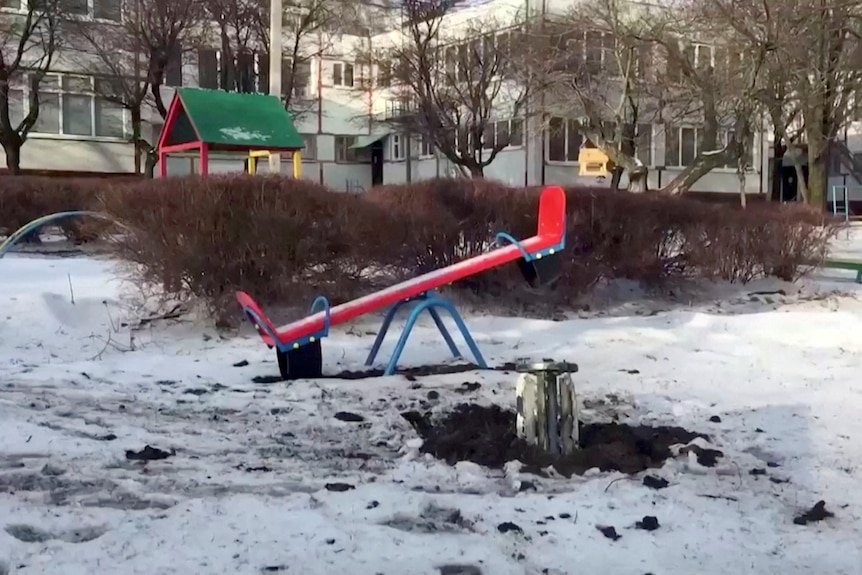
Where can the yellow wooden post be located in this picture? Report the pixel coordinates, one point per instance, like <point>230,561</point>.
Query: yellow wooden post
<point>297,164</point>
<point>252,159</point>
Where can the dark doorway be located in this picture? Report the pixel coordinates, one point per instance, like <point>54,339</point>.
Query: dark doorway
<point>377,163</point>
<point>784,185</point>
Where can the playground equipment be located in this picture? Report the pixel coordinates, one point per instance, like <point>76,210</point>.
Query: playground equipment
<point>297,344</point>
<point>852,265</point>
<point>214,121</point>
<point>19,234</point>
<point>840,200</point>
<point>256,155</point>
<point>592,162</point>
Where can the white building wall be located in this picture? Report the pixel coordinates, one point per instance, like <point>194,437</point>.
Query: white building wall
<point>333,112</point>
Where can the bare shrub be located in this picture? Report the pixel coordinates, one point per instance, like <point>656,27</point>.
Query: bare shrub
<point>279,238</point>
<point>286,240</point>
<point>26,198</point>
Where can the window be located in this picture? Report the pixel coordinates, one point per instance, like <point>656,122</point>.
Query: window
<point>681,145</point>
<point>396,108</point>
<point>342,74</point>
<point>425,145</point>
<point>249,72</point>
<point>174,68</point>
<point>503,134</point>
<point>343,151</point>
<point>725,138</point>
<point>309,151</point>
<point>397,152</point>
<point>69,105</point>
<point>96,9</point>
<point>208,64</point>
<point>643,144</point>
<point>384,74</point>
<point>703,55</point>
<point>564,140</point>
<point>699,56</point>
<point>592,50</point>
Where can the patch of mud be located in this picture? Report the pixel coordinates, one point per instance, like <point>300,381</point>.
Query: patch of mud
<point>31,534</point>
<point>486,436</point>
<point>60,487</point>
<point>124,501</point>
<point>432,519</point>
<point>63,490</point>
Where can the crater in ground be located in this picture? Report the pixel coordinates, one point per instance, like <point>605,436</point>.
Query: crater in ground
<point>486,435</point>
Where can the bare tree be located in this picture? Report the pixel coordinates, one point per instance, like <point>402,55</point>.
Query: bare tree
<point>242,27</point>
<point>596,59</point>
<point>709,77</point>
<point>29,42</point>
<point>451,89</point>
<point>309,27</point>
<point>808,53</point>
<point>131,60</point>
<point>826,67</point>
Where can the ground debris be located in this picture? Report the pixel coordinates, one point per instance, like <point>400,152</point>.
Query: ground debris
<point>817,513</point>
<point>148,453</point>
<point>486,436</point>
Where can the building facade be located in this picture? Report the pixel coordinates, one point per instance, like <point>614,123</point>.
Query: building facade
<point>341,115</point>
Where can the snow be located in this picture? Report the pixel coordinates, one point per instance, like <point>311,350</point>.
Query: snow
<point>245,491</point>
<point>238,133</point>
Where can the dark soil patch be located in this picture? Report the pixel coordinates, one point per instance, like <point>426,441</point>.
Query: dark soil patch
<point>349,417</point>
<point>410,373</point>
<point>148,453</point>
<point>648,523</point>
<point>486,435</point>
<point>815,514</point>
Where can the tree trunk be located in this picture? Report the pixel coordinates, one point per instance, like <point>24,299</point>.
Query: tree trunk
<point>778,151</point>
<point>740,177</point>
<point>795,155</point>
<point>701,167</point>
<point>136,136</point>
<point>616,177</point>
<point>150,166</point>
<point>639,180</point>
<point>476,171</point>
<point>818,177</point>
<point>13,157</point>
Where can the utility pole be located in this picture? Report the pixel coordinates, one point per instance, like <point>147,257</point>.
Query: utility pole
<point>405,114</point>
<point>275,51</point>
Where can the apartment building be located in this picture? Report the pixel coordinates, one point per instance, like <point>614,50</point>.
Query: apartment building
<point>342,118</point>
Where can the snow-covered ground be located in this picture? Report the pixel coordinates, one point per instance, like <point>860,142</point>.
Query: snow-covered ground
<point>263,477</point>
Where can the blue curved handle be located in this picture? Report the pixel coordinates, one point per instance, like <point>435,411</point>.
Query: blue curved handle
<point>507,237</point>
<point>260,324</point>
<point>321,300</point>
<point>16,236</point>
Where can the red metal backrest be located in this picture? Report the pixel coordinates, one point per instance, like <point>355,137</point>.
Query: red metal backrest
<point>552,213</point>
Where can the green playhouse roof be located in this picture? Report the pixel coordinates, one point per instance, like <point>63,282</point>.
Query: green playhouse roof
<point>230,121</point>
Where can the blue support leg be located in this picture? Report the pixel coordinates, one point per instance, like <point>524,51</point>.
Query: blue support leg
<point>438,321</point>
<point>387,321</point>
<point>465,333</point>
<point>430,303</point>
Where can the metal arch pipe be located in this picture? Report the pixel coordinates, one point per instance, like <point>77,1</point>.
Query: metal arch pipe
<point>16,236</point>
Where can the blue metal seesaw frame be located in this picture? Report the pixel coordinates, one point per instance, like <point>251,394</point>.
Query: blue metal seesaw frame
<point>432,302</point>
<point>428,301</point>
